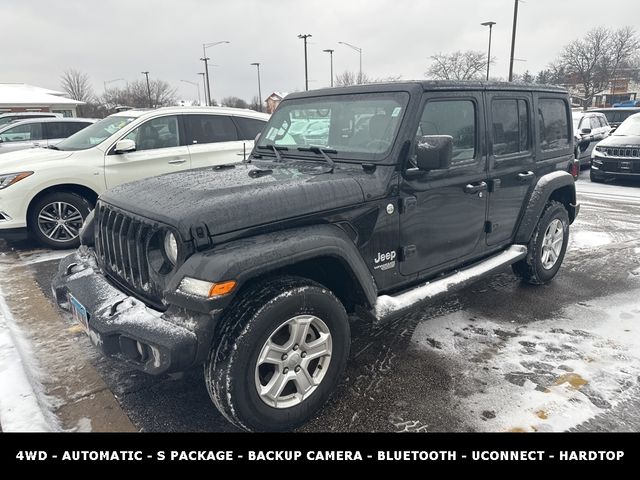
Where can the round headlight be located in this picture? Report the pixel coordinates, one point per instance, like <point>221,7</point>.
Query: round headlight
<point>171,247</point>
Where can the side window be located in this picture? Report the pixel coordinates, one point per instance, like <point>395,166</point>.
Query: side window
<point>74,127</point>
<point>156,133</point>
<point>510,126</point>
<point>56,130</point>
<point>23,133</point>
<point>249,127</point>
<point>553,125</point>
<point>451,117</point>
<point>210,129</point>
<point>595,123</point>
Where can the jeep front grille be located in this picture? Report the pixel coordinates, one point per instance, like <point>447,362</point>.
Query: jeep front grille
<point>122,241</point>
<point>623,152</point>
<point>620,166</point>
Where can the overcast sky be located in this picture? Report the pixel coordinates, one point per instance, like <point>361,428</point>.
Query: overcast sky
<point>111,39</point>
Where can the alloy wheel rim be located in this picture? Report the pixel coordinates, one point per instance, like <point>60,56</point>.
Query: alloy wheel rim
<point>60,221</point>
<point>552,243</point>
<point>293,361</point>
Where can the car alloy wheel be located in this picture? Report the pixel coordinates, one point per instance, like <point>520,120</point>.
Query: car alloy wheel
<point>60,221</point>
<point>293,361</point>
<point>552,244</point>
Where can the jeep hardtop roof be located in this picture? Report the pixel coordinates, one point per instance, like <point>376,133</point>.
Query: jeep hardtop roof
<point>430,85</point>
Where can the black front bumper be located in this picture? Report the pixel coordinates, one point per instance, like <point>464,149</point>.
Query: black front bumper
<point>608,175</point>
<point>123,327</point>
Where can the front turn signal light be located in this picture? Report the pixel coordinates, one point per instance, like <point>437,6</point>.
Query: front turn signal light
<point>222,288</point>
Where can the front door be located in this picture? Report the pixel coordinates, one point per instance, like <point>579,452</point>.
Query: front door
<point>443,211</point>
<point>159,149</point>
<point>511,161</point>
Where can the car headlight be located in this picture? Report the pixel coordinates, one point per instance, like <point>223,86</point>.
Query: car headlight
<point>11,178</point>
<point>171,247</point>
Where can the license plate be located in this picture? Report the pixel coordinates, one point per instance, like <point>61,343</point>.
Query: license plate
<point>79,312</point>
<point>625,165</point>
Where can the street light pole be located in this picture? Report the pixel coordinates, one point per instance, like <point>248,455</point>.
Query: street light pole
<point>146,74</point>
<point>306,70</point>
<point>206,59</point>
<point>195,85</point>
<point>513,39</point>
<point>490,25</point>
<point>330,52</point>
<point>204,92</point>
<point>359,50</point>
<point>257,64</point>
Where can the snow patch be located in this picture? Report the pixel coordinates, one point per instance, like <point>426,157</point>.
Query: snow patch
<point>24,406</point>
<point>587,239</point>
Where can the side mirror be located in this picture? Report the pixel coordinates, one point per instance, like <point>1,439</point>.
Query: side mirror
<point>585,131</point>
<point>125,145</point>
<point>434,152</point>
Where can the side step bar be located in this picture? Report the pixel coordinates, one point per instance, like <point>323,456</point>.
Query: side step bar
<point>390,306</point>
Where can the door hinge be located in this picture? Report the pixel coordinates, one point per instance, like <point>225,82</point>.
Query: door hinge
<point>407,204</point>
<point>494,184</point>
<point>407,251</point>
<point>489,227</point>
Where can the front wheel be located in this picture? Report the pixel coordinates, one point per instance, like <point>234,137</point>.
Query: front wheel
<point>55,219</point>
<point>547,246</point>
<point>279,355</point>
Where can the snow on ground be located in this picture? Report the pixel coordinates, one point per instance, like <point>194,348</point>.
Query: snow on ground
<point>588,239</point>
<point>39,256</point>
<point>24,407</point>
<point>548,375</point>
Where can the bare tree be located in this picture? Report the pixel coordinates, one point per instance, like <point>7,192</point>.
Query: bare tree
<point>595,60</point>
<point>256,104</point>
<point>135,94</point>
<point>348,77</point>
<point>234,102</point>
<point>78,87</point>
<point>467,65</point>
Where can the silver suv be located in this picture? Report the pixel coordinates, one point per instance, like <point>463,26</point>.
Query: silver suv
<point>39,132</point>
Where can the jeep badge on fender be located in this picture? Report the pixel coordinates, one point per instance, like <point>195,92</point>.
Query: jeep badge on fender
<point>253,270</point>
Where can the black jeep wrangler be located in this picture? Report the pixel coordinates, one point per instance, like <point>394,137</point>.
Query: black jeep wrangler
<point>364,200</point>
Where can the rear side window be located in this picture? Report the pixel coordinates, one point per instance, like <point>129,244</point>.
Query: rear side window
<point>452,117</point>
<point>510,126</point>
<point>248,128</point>
<point>553,124</point>
<point>210,129</point>
<point>23,133</point>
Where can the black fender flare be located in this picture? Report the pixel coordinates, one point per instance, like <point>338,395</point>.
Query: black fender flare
<point>249,258</point>
<point>542,192</point>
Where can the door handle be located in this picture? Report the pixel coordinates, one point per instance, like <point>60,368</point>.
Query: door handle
<point>475,187</point>
<point>524,176</point>
<point>177,161</point>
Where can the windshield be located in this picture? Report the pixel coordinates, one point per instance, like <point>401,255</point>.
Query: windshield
<point>363,126</point>
<point>631,126</point>
<point>94,134</point>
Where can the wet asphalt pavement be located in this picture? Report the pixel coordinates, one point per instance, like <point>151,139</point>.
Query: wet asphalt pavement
<point>496,356</point>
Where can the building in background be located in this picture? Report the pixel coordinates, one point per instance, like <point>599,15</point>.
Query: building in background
<point>274,100</point>
<point>20,97</point>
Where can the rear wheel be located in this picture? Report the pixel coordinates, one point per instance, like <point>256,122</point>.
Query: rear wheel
<point>279,356</point>
<point>55,219</point>
<point>547,246</point>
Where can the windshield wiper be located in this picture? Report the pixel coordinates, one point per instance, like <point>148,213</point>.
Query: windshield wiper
<point>323,152</point>
<point>275,148</point>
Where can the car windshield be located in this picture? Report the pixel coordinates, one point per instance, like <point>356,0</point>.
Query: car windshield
<point>95,134</point>
<point>631,126</point>
<point>362,126</point>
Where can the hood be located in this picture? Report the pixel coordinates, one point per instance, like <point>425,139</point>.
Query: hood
<point>29,159</point>
<point>631,141</point>
<point>235,198</point>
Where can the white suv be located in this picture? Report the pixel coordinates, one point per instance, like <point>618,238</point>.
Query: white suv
<point>50,191</point>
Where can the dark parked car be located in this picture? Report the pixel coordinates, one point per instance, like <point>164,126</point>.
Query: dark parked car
<point>588,129</point>
<point>254,269</point>
<point>615,116</point>
<point>619,155</point>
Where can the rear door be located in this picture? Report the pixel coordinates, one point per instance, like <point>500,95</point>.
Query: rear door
<point>213,140</point>
<point>159,149</point>
<point>511,161</point>
<point>23,136</point>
